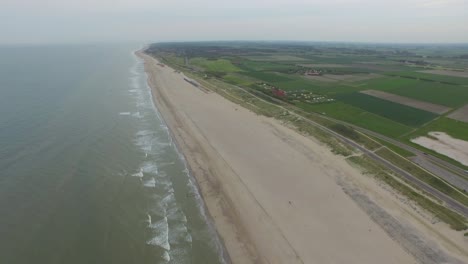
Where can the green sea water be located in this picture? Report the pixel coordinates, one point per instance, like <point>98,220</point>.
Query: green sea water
<point>88,170</point>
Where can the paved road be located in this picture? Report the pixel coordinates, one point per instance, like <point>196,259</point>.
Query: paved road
<point>453,174</point>
<point>455,205</point>
<point>451,203</point>
<point>452,178</point>
<point>416,151</point>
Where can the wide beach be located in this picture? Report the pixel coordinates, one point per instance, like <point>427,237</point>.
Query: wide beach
<point>272,193</point>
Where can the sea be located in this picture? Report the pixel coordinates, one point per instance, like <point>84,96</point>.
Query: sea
<point>89,172</point>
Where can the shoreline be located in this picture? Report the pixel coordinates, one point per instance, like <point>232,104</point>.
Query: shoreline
<point>213,173</point>
<point>223,253</point>
<point>233,237</point>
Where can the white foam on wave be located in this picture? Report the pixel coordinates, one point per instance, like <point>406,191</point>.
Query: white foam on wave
<point>194,190</point>
<point>179,234</point>
<point>124,113</point>
<point>144,133</point>
<point>151,144</point>
<point>176,214</point>
<point>149,167</point>
<point>138,174</point>
<point>134,69</point>
<point>137,115</point>
<point>161,234</point>
<point>188,238</point>
<point>141,104</point>
<point>149,219</point>
<point>150,183</point>
<point>165,185</point>
<point>169,199</point>
<point>134,81</point>
<point>172,222</point>
<point>145,143</point>
<point>166,256</point>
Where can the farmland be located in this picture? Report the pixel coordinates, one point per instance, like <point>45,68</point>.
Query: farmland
<point>399,113</point>
<point>454,128</point>
<point>357,116</point>
<point>432,92</point>
<point>461,114</point>
<point>218,65</point>
<point>448,73</point>
<point>327,79</point>
<point>267,76</point>
<point>429,107</point>
<point>428,77</point>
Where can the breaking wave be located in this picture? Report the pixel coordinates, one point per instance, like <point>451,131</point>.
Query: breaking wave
<point>167,223</point>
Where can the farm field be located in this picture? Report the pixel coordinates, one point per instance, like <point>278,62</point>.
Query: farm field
<point>397,112</point>
<point>454,128</point>
<point>461,114</point>
<point>248,65</point>
<point>218,65</point>
<point>323,65</point>
<point>412,94</point>
<point>425,106</point>
<point>448,73</point>
<point>432,92</point>
<point>276,58</point>
<point>359,117</point>
<point>430,77</point>
<point>267,76</point>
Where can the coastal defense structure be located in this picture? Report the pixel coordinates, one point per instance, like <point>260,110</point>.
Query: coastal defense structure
<point>192,82</point>
<point>196,84</point>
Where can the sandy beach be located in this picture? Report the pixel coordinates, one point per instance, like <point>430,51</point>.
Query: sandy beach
<point>272,193</point>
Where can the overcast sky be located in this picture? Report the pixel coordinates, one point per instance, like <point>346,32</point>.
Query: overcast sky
<point>72,21</point>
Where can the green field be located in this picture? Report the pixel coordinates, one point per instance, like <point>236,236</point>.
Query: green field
<point>238,79</point>
<point>249,65</point>
<point>217,65</point>
<point>359,117</point>
<point>270,77</point>
<point>433,92</point>
<point>431,77</point>
<point>399,113</point>
<point>454,128</point>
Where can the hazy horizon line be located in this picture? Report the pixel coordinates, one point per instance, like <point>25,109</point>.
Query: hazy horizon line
<point>227,41</point>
